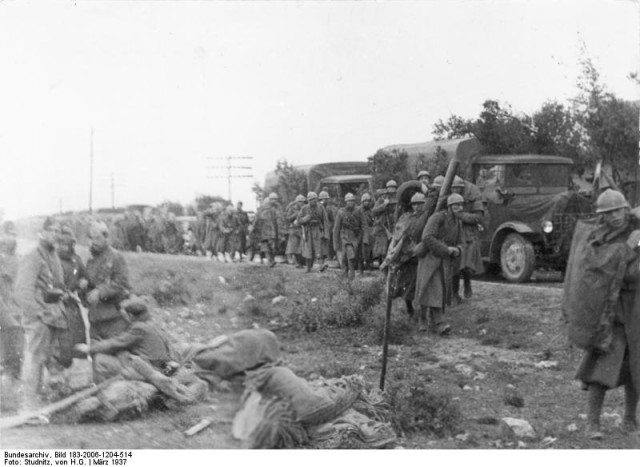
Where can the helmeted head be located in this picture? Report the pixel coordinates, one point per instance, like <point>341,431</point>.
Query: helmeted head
<point>366,200</point>
<point>312,197</point>
<point>350,199</point>
<point>273,196</point>
<point>300,199</point>
<point>438,182</point>
<point>613,208</point>
<point>457,186</point>
<point>417,201</point>
<point>455,203</point>
<point>392,186</point>
<point>324,195</point>
<point>66,241</point>
<point>424,176</point>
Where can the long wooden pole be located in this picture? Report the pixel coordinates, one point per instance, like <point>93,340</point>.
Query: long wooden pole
<point>387,325</point>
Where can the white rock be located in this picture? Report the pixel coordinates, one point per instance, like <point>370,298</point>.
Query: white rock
<point>222,280</point>
<point>515,427</point>
<point>466,370</point>
<point>314,299</point>
<point>279,299</point>
<point>522,444</point>
<point>466,388</point>
<point>249,298</point>
<point>462,437</point>
<point>545,364</point>
<point>548,441</point>
<point>582,416</point>
<point>539,333</point>
<point>572,428</point>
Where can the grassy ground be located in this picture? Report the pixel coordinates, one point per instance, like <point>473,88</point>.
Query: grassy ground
<point>507,357</point>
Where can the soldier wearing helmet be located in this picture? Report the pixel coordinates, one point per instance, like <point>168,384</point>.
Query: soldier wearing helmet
<point>472,219</point>
<point>384,213</point>
<point>294,242</point>
<point>366,258</point>
<point>439,246</point>
<point>350,234</point>
<point>315,231</point>
<point>406,235</point>
<point>611,237</point>
<point>424,177</point>
<point>270,227</point>
<point>332,211</point>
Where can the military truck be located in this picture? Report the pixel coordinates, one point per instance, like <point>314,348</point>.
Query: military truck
<point>531,211</point>
<point>337,178</point>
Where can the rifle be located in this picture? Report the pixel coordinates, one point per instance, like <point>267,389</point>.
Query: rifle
<point>387,325</point>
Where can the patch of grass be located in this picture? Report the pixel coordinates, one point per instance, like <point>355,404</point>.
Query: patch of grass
<point>171,291</point>
<point>333,369</point>
<point>419,408</point>
<point>400,331</point>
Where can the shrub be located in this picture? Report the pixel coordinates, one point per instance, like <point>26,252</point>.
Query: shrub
<point>172,291</point>
<point>418,408</point>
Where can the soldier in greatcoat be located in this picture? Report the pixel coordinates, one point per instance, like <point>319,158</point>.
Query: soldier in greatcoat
<point>384,220</point>
<point>315,230</point>
<point>366,257</point>
<point>439,245</point>
<point>599,370</point>
<point>38,294</point>
<point>332,211</point>
<point>472,218</point>
<point>294,242</point>
<point>350,233</point>
<point>271,228</point>
<point>243,229</point>
<point>107,285</point>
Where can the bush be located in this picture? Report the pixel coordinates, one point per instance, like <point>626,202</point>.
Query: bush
<point>417,408</point>
<point>172,291</point>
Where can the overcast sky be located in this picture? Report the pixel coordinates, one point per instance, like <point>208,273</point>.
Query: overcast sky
<point>165,85</point>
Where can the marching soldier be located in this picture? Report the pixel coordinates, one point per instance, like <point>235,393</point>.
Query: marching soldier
<point>349,234</point>
<point>384,215</point>
<point>228,227</point>
<point>294,242</point>
<point>315,228</point>
<point>243,230</point>
<point>270,225</point>
<point>366,257</point>
<point>472,218</point>
<point>332,212</point>
<point>439,246</point>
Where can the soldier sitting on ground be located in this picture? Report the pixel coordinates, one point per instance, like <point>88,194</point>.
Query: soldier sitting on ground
<point>141,352</point>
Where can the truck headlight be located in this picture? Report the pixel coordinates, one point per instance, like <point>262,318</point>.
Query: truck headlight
<point>547,227</point>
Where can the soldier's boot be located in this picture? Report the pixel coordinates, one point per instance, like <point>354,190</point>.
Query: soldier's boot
<point>163,383</point>
<point>323,265</point>
<point>309,265</point>
<point>466,276</point>
<point>596,399</point>
<point>630,422</point>
<point>423,325</point>
<point>438,324</point>
<point>410,310</point>
<point>455,286</point>
<point>351,265</point>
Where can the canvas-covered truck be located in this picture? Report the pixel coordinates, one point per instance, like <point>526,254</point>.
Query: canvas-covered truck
<point>337,178</point>
<point>531,211</point>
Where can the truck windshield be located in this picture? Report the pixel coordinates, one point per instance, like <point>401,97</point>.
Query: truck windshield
<point>537,175</point>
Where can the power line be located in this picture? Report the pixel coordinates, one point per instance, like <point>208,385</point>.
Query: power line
<point>228,167</point>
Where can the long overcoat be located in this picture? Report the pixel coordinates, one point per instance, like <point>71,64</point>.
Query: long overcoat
<point>315,225</point>
<point>435,266</point>
<point>294,242</point>
<point>350,229</point>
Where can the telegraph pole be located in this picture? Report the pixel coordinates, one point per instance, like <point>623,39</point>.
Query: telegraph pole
<point>91,175</point>
<point>228,167</point>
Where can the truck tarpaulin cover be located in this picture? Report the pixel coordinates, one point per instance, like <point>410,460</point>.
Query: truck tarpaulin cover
<point>593,279</point>
<point>533,208</point>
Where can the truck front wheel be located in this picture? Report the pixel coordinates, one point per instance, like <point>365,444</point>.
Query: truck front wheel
<point>517,258</point>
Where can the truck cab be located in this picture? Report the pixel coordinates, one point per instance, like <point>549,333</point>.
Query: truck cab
<point>531,211</point>
<point>339,185</point>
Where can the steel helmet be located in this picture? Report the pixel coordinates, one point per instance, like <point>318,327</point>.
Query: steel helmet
<point>312,195</point>
<point>349,197</point>
<point>610,200</point>
<point>324,195</point>
<point>300,198</point>
<point>438,181</point>
<point>365,197</point>
<point>273,195</point>
<point>417,198</point>
<point>455,199</point>
<point>392,184</point>
<point>423,173</point>
<point>457,182</point>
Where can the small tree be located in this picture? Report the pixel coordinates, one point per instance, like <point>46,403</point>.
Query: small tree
<point>204,201</point>
<point>388,165</point>
<point>291,182</point>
